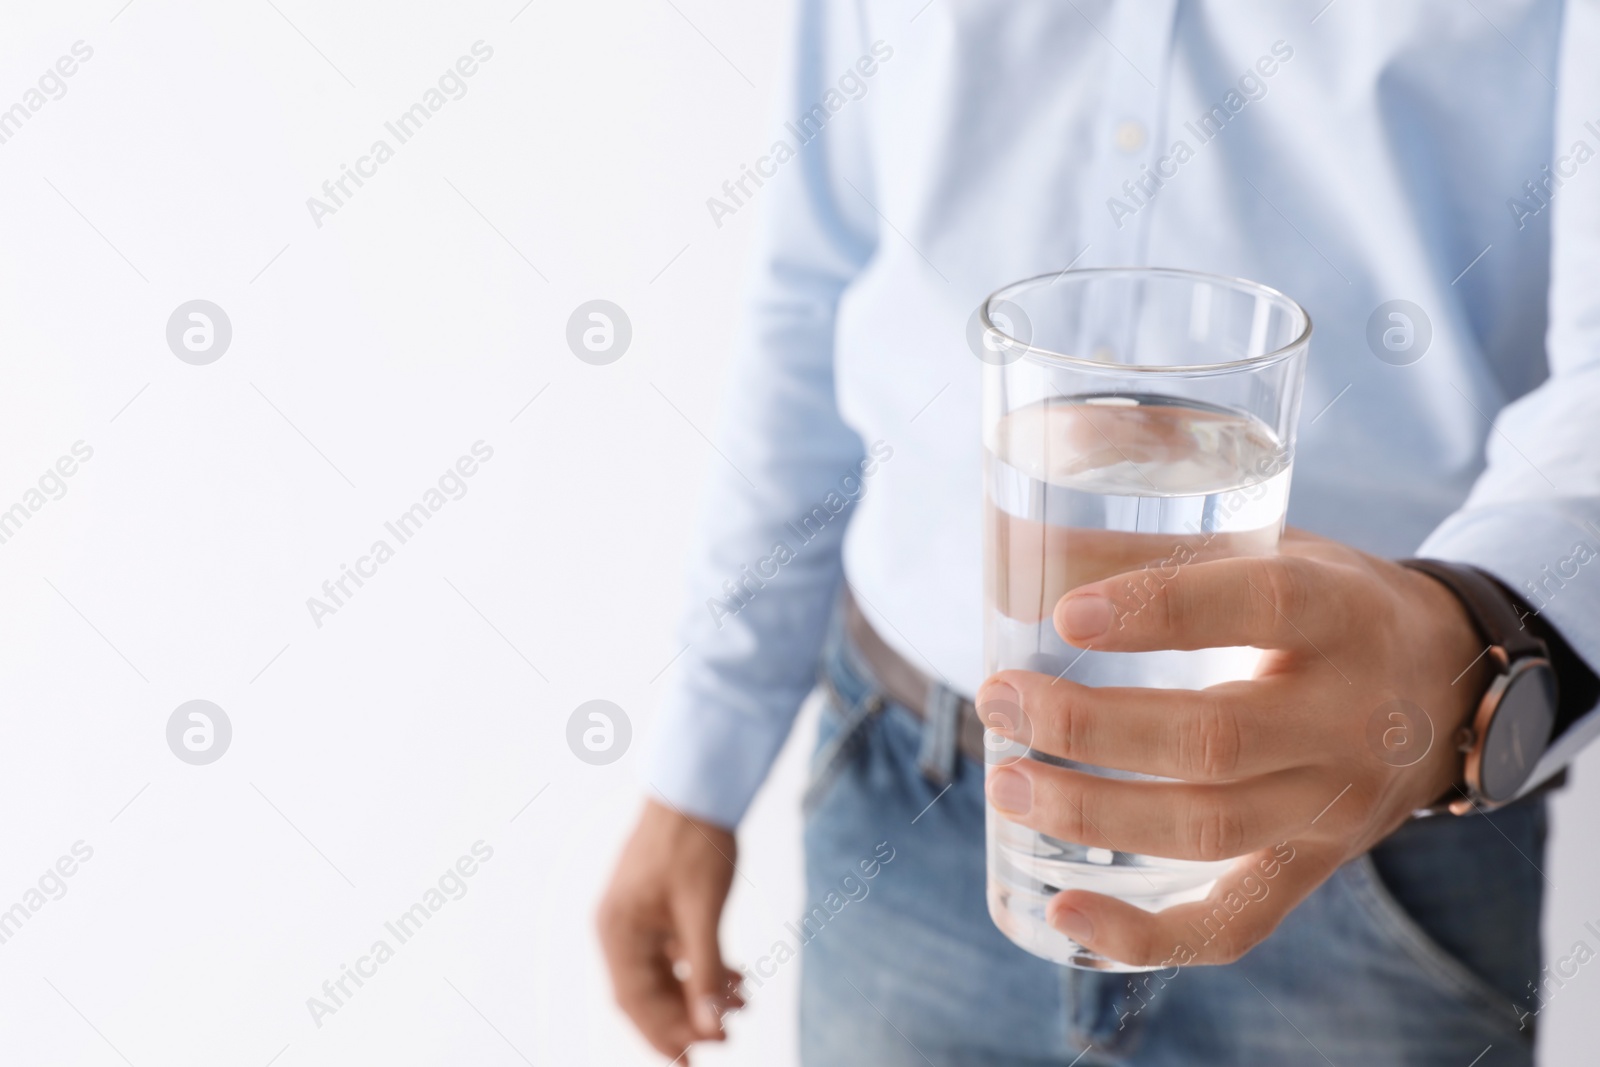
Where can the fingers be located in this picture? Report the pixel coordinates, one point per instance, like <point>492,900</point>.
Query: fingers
<point>1285,602</point>
<point>708,991</point>
<point>1245,906</point>
<point>1172,819</point>
<point>1226,732</point>
<point>642,980</point>
<point>658,929</point>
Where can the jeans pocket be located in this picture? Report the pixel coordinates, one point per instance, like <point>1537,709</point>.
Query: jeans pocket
<point>841,732</point>
<point>1448,972</point>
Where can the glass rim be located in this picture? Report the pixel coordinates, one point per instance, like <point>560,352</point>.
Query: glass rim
<point>1027,350</point>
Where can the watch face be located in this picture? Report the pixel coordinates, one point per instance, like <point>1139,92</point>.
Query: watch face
<point>1519,731</point>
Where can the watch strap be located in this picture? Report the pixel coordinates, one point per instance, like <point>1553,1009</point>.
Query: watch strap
<point>1491,612</point>
<point>1494,615</point>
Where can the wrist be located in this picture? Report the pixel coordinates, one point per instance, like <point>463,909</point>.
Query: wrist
<point>1458,669</point>
<point>1458,661</point>
<point>680,824</point>
<point>1509,720</point>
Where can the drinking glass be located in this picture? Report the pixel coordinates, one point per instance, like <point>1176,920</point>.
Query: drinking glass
<point>1135,421</point>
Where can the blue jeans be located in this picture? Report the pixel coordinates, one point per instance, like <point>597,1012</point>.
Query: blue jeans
<point>1421,952</point>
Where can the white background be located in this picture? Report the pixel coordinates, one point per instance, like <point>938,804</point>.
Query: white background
<point>367,355</point>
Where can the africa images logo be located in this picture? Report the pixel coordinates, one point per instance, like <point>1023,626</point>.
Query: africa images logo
<point>451,85</point>
<point>199,332</point>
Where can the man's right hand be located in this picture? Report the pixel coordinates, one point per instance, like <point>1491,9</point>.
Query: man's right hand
<point>658,927</point>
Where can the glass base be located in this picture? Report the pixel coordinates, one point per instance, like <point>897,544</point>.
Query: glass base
<point>1027,868</point>
<point>1021,918</point>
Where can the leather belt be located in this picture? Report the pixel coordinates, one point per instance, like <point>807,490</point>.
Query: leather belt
<point>905,684</point>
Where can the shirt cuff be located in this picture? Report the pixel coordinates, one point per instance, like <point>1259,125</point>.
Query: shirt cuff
<point>1548,554</point>
<point>708,758</point>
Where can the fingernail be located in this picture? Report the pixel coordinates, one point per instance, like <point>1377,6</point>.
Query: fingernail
<point>707,1019</point>
<point>1086,616</point>
<point>1010,791</point>
<point>1075,924</point>
<point>999,704</point>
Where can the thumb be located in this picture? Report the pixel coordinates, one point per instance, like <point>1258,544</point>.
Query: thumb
<point>1242,909</point>
<point>707,989</point>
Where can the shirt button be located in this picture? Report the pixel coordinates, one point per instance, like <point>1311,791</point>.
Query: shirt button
<point>1130,136</point>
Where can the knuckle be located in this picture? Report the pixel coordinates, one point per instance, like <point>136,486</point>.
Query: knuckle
<point>617,906</point>
<point>618,919</point>
<point>1231,946</point>
<point>1210,741</point>
<point>1172,606</point>
<point>1284,583</point>
<point>1215,831</point>
<point>1238,940</point>
<point>1070,820</point>
<point>1133,593</point>
<point>1373,600</point>
<point>1141,950</point>
<point>1067,731</point>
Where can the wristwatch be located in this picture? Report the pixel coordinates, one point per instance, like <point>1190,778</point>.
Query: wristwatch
<point>1514,721</point>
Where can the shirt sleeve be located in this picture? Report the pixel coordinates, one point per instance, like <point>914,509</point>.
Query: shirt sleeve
<point>1533,516</point>
<point>763,580</point>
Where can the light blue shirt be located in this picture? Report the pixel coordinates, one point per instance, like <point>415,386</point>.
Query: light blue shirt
<point>926,155</point>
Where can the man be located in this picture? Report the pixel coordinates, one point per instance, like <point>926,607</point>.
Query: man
<point>1413,176</point>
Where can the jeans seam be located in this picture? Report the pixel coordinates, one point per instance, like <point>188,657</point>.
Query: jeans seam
<point>831,758</point>
<point>1382,905</point>
<point>936,758</point>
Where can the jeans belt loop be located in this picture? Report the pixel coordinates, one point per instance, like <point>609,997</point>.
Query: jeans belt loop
<point>937,759</point>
